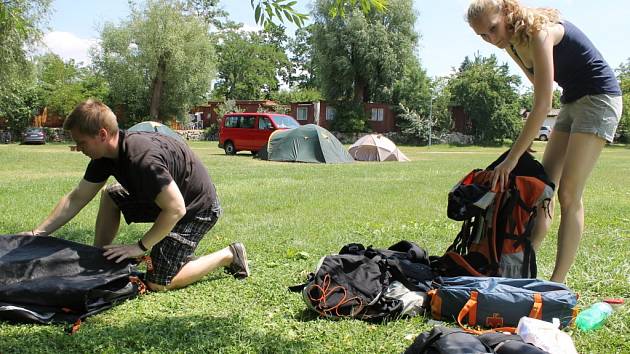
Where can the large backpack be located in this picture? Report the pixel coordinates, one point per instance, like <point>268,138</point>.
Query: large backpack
<point>495,236</point>
<point>368,284</point>
<point>52,280</point>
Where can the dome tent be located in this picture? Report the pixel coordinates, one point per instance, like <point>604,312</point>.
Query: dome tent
<point>376,147</point>
<point>308,143</point>
<point>150,126</point>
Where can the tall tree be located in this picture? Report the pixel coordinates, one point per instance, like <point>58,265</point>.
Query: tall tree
<point>303,72</point>
<point>62,85</point>
<point>366,57</point>
<point>20,22</point>
<point>159,62</point>
<point>20,29</point>
<point>249,65</point>
<point>488,94</point>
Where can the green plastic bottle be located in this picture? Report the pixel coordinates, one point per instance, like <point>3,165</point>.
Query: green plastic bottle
<point>593,317</point>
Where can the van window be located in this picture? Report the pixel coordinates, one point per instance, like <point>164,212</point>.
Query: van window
<point>264,123</point>
<point>283,121</point>
<point>247,122</point>
<point>231,121</point>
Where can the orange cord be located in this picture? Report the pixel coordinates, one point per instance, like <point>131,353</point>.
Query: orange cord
<point>323,308</point>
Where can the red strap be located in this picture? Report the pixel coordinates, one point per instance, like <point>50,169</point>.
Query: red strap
<point>459,260</point>
<point>75,327</point>
<point>436,304</point>
<point>536,311</point>
<point>142,288</point>
<point>470,310</point>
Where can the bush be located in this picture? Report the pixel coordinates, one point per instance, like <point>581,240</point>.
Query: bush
<point>211,132</point>
<point>349,118</point>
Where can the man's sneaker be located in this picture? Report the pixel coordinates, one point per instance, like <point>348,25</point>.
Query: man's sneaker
<point>239,267</point>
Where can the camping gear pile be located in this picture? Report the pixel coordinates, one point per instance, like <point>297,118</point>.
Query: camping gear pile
<point>486,278</point>
<point>376,147</point>
<point>369,284</point>
<point>52,280</point>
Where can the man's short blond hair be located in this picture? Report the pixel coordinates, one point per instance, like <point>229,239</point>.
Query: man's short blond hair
<point>90,116</point>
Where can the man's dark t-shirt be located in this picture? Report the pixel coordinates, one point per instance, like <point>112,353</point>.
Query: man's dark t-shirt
<point>148,162</point>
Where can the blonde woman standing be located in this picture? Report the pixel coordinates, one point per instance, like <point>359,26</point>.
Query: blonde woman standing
<point>548,49</point>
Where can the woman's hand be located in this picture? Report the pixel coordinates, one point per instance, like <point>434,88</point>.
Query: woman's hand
<point>501,174</point>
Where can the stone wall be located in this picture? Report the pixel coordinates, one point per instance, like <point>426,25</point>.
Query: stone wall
<point>192,135</point>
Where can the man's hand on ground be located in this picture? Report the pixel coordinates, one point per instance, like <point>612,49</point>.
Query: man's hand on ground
<point>30,233</point>
<point>120,252</point>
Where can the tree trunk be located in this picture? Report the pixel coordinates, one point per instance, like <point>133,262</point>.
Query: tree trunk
<point>360,91</point>
<point>156,89</point>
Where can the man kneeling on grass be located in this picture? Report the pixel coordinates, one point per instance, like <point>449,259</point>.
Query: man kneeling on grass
<point>160,180</point>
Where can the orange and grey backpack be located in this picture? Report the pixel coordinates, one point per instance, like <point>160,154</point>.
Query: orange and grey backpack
<point>495,236</point>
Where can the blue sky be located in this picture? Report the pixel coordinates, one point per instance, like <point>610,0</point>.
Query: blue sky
<point>445,37</point>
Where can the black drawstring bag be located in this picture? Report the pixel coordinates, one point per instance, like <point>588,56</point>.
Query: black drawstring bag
<point>51,280</point>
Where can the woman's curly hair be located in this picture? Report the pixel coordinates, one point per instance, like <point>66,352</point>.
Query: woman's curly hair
<point>524,20</point>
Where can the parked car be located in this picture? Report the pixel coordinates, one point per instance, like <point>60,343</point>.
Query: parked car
<point>5,137</point>
<point>34,136</point>
<point>250,131</point>
<point>544,133</point>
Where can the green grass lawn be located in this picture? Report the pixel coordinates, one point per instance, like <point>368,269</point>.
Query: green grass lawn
<point>284,211</point>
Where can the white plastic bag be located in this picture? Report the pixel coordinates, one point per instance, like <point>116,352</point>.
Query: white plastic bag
<point>545,335</point>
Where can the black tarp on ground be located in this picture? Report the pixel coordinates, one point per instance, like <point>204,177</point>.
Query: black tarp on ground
<point>48,279</point>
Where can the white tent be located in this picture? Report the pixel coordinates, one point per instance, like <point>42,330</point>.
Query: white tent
<point>375,147</point>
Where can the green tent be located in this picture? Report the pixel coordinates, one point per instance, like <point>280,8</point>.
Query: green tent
<point>308,143</point>
<point>150,126</point>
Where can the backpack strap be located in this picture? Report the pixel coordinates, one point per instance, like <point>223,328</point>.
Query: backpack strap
<point>460,261</point>
<point>492,240</point>
<point>299,287</point>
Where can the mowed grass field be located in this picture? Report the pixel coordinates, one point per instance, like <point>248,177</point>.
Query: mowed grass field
<point>289,215</point>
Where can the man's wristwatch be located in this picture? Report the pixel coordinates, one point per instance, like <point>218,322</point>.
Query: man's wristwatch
<point>141,245</point>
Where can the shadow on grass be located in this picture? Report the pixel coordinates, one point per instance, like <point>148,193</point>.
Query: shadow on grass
<point>170,334</point>
<point>618,146</point>
<point>239,155</point>
<point>306,315</point>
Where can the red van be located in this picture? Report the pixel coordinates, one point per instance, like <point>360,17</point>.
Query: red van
<point>250,131</point>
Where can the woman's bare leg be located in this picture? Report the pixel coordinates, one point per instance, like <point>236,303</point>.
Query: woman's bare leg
<point>582,153</point>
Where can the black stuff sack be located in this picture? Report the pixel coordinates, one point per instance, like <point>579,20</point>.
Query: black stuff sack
<point>443,340</point>
<point>52,280</point>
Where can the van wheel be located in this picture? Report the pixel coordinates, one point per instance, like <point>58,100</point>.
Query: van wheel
<point>229,148</point>
<point>543,137</point>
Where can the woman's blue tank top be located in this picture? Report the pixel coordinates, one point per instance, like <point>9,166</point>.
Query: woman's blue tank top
<point>579,67</point>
